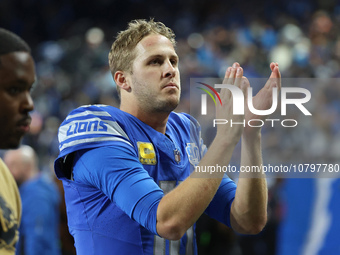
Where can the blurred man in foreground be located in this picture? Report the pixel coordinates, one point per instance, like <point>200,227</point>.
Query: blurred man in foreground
<point>17,75</point>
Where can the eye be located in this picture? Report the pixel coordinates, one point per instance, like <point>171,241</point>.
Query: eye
<point>155,61</point>
<point>174,62</point>
<point>14,90</point>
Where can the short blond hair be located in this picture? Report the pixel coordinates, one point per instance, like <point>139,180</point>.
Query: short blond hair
<point>122,51</point>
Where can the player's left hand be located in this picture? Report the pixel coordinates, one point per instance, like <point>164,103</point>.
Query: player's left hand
<point>263,100</point>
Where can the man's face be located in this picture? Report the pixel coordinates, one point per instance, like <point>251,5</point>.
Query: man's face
<point>155,80</point>
<point>17,75</point>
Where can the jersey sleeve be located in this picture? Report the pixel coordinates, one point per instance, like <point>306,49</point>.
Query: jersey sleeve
<point>117,172</point>
<point>95,150</point>
<point>87,127</point>
<point>219,208</point>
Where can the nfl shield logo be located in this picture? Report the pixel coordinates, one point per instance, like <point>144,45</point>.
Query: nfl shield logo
<point>177,156</point>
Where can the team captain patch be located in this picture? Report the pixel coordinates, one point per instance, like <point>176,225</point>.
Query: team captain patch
<point>146,153</point>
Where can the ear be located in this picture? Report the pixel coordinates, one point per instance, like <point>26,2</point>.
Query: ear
<point>121,80</point>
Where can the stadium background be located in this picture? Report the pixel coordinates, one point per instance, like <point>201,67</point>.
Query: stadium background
<point>71,40</point>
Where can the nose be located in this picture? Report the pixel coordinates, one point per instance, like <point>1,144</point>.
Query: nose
<point>27,104</point>
<point>169,70</point>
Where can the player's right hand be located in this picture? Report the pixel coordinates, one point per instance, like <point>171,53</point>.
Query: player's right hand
<point>233,129</point>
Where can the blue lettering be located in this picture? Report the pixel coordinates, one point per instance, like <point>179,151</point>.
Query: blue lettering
<point>82,127</point>
<point>75,128</point>
<point>95,125</point>
<point>103,125</point>
<point>69,131</point>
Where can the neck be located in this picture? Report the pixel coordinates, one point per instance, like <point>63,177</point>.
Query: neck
<point>156,120</point>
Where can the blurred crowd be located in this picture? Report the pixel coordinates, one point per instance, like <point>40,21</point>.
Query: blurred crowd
<point>71,40</point>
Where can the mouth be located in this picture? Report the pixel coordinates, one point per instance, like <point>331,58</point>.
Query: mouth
<point>171,85</point>
<point>24,125</point>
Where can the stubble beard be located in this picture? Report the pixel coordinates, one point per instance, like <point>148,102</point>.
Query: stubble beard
<point>151,103</point>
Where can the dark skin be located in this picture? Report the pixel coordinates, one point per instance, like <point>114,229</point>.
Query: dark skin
<point>17,75</point>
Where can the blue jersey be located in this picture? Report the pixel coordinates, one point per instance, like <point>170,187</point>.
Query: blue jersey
<point>115,169</point>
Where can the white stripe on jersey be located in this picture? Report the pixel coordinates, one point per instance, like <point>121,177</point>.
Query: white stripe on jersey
<point>84,113</point>
<point>94,139</point>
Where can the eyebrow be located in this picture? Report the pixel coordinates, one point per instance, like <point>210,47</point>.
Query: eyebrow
<point>161,56</point>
